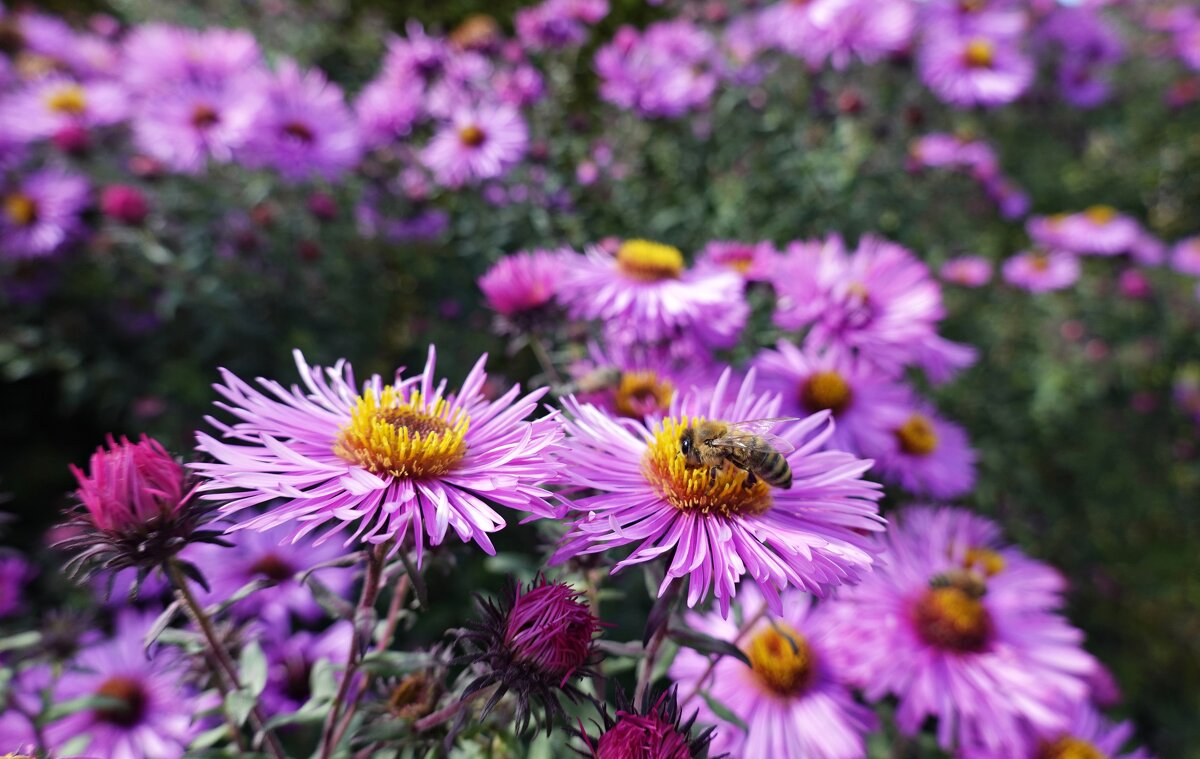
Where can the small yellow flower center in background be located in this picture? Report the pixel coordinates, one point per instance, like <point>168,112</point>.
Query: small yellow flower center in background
<point>1039,262</point>
<point>67,100</point>
<point>984,560</point>
<point>691,489</point>
<point>1100,214</point>
<point>649,261</point>
<point>412,697</point>
<point>20,209</point>
<point>917,436</point>
<point>953,618</point>
<point>1067,747</point>
<point>392,436</point>
<point>979,53</point>
<point>471,136</point>
<point>782,659</point>
<point>826,390</point>
<point>638,388</point>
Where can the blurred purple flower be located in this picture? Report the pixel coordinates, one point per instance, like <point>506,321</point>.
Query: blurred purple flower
<point>663,72</point>
<point>967,271</point>
<point>974,70</point>
<point>41,213</point>
<point>1042,272</point>
<point>922,452</point>
<point>477,143</point>
<point>15,572</point>
<point>49,105</point>
<point>1101,230</point>
<point>290,660</point>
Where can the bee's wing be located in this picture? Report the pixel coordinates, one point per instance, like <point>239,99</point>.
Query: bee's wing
<point>738,432</point>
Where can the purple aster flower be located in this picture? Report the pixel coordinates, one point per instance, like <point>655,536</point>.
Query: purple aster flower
<point>791,698</point>
<point>811,381</point>
<point>1101,230</point>
<point>482,142</point>
<point>637,382</point>
<point>967,271</point>
<point>269,555</point>
<point>388,108</point>
<point>416,55</point>
<point>291,658</point>
<point>924,453</point>
<point>48,106</point>
<point>186,125</point>
<point>753,261</point>
<point>1148,250</point>
<point>974,70</point>
<point>1185,256</point>
<point>867,30</point>
<point>1088,734</point>
<point>558,24</point>
<point>153,712</point>
<point>1088,48</point>
<point>663,72</point>
<point>523,283</point>
<point>400,457</point>
<point>953,643</point>
<point>15,572</point>
<point>943,150</point>
<point>1000,18</point>
<point>41,214</point>
<point>160,56</point>
<point>716,528</point>
<point>1042,272</point>
<point>645,294</point>
<point>1012,201</point>
<point>306,129</point>
<point>790,27</point>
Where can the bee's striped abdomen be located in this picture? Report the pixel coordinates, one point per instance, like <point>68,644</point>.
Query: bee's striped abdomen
<point>775,471</point>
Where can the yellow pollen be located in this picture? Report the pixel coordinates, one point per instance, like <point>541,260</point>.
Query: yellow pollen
<point>67,100</point>
<point>637,389</point>
<point>390,435</point>
<point>984,560</point>
<point>20,209</point>
<point>1068,747</point>
<point>917,436</point>
<point>782,659</point>
<point>979,54</point>
<point>952,618</point>
<point>1100,214</point>
<point>691,489</point>
<point>471,136</point>
<point>649,261</point>
<point>826,390</point>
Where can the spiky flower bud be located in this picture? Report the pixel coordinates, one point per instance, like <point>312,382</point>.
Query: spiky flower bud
<point>649,732</point>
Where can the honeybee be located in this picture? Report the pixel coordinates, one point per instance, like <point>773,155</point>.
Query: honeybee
<point>746,445</point>
<point>965,580</point>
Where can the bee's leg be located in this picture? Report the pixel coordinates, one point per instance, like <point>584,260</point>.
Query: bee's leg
<point>751,480</point>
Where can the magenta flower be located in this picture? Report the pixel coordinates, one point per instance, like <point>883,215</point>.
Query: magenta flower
<point>868,30</point>
<point>188,124</point>
<point>811,381</point>
<point>922,452</point>
<point>477,143</point>
<point>558,24</point>
<point>755,262</point>
<point>967,271</point>
<point>1185,256</point>
<point>388,108</point>
<point>124,203</point>
<point>645,294</point>
<point>790,26</point>
<point>653,731</point>
<point>1042,272</point>
<point>791,698</point>
<point>950,641</point>
<point>665,71</point>
<point>403,460</point>
<point>42,213</point>
<point>974,70</point>
<point>159,57</point>
<point>1101,230</point>
<point>154,711</point>
<point>523,282</point>
<point>55,103</point>
<point>130,484</point>
<point>714,531</point>
<point>306,130</point>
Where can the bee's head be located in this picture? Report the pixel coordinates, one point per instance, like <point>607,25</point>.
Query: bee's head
<point>687,446</point>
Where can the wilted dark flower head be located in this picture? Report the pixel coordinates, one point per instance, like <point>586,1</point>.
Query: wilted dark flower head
<point>649,732</point>
<point>534,643</point>
<point>136,509</point>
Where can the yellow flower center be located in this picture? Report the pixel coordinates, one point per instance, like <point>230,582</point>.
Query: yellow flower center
<point>953,618</point>
<point>1067,747</point>
<point>413,696</point>
<point>471,136</point>
<point>917,436</point>
<point>68,100</point>
<point>693,489</point>
<point>1100,214</point>
<point>1039,262</point>
<point>389,435</point>
<point>782,659</point>
<point>826,390</point>
<point>649,261</point>
<point>979,53</point>
<point>20,209</point>
<point>639,391</point>
<point>984,560</point>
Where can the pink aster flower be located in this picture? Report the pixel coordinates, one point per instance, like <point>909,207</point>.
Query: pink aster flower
<point>55,103</point>
<point>638,382</point>
<point>644,294</point>
<point>1185,256</point>
<point>522,282</point>
<point>1087,734</point>
<point>942,150</point>
<point>664,71</point>
<point>392,459</point>
<point>558,24</point>
<point>790,27</point>
<point>1042,272</point>
<point>154,711</point>
<point>388,108</point>
<point>186,125</point>
<point>952,642</point>
<point>810,381</point>
<point>974,70</point>
<point>791,698</point>
<point>754,261</point>
<point>1101,230</point>
<point>867,30</point>
<point>481,142</point>
<point>921,451</point>
<point>42,213</point>
<point>967,271</point>
<point>158,57</point>
<point>713,529</point>
<point>306,130</point>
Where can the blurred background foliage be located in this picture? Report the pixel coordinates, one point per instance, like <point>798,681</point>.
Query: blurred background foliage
<point>1084,458</point>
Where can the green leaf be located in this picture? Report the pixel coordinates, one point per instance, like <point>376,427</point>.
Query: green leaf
<point>723,712</point>
<point>20,640</point>
<point>322,682</point>
<point>253,666</point>
<point>706,644</point>
<point>334,605</point>
<point>238,705</point>
<point>160,623</point>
